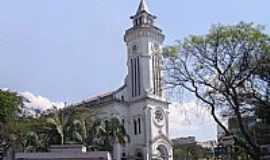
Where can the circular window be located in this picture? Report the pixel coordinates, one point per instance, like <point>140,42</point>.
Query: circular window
<point>159,117</point>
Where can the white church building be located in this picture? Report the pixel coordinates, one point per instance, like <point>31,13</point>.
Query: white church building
<point>140,103</point>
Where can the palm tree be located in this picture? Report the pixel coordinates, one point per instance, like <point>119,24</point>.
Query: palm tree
<point>110,132</point>
<point>59,123</point>
<point>82,125</point>
<point>72,124</point>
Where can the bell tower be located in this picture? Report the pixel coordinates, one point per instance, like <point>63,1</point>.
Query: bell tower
<point>147,108</point>
<point>144,43</point>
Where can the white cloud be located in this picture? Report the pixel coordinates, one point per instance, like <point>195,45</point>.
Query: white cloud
<point>190,119</point>
<point>4,89</point>
<point>39,103</point>
<point>36,104</point>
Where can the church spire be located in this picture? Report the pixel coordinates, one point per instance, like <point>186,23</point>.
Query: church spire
<point>143,17</point>
<point>143,7</point>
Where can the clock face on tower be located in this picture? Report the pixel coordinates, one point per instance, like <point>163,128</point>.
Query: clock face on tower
<point>159,117</point>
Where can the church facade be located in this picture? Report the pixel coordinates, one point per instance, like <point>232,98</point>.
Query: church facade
<point>140,104</point>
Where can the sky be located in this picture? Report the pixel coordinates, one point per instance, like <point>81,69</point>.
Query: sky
<point>70,50</point>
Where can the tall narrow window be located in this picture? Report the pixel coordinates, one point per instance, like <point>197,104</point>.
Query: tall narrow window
<point>132,77</point>
<point>139,124</point>
<point>135,76</point>
<point>135,127</point>
<point>154,73</point>
<point>159,77</point>
<point>156,76</point>
<point>139,76</point>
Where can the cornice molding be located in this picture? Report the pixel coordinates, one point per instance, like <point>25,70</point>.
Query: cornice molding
<point>149,32</point>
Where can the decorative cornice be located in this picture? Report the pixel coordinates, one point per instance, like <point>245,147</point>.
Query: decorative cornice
<point>151,98</point>
<point>147,31</point>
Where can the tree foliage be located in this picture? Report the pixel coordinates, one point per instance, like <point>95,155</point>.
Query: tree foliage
<point>191,151</point>
<point>227,70</point>
<point>10,105</point>
<point>70,125</point>
<point>109,132</point>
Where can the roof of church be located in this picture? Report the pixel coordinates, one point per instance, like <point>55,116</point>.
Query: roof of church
<point>143,7</point>
<point>110,97</point>
<point>102,98</point>
<point>99,96</point>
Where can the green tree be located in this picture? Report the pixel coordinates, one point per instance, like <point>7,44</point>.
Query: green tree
<point>110,132</point>
<point>191,151</point>
<point>69,125</point>
<point>30,135</point>
<point>82,125</point>
<point>10,105</point>
<point>59,122</point>
<point>73,124</point>
<point>225,71</point>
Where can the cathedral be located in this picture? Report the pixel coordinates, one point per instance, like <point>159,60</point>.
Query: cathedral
<point>140,104</point>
